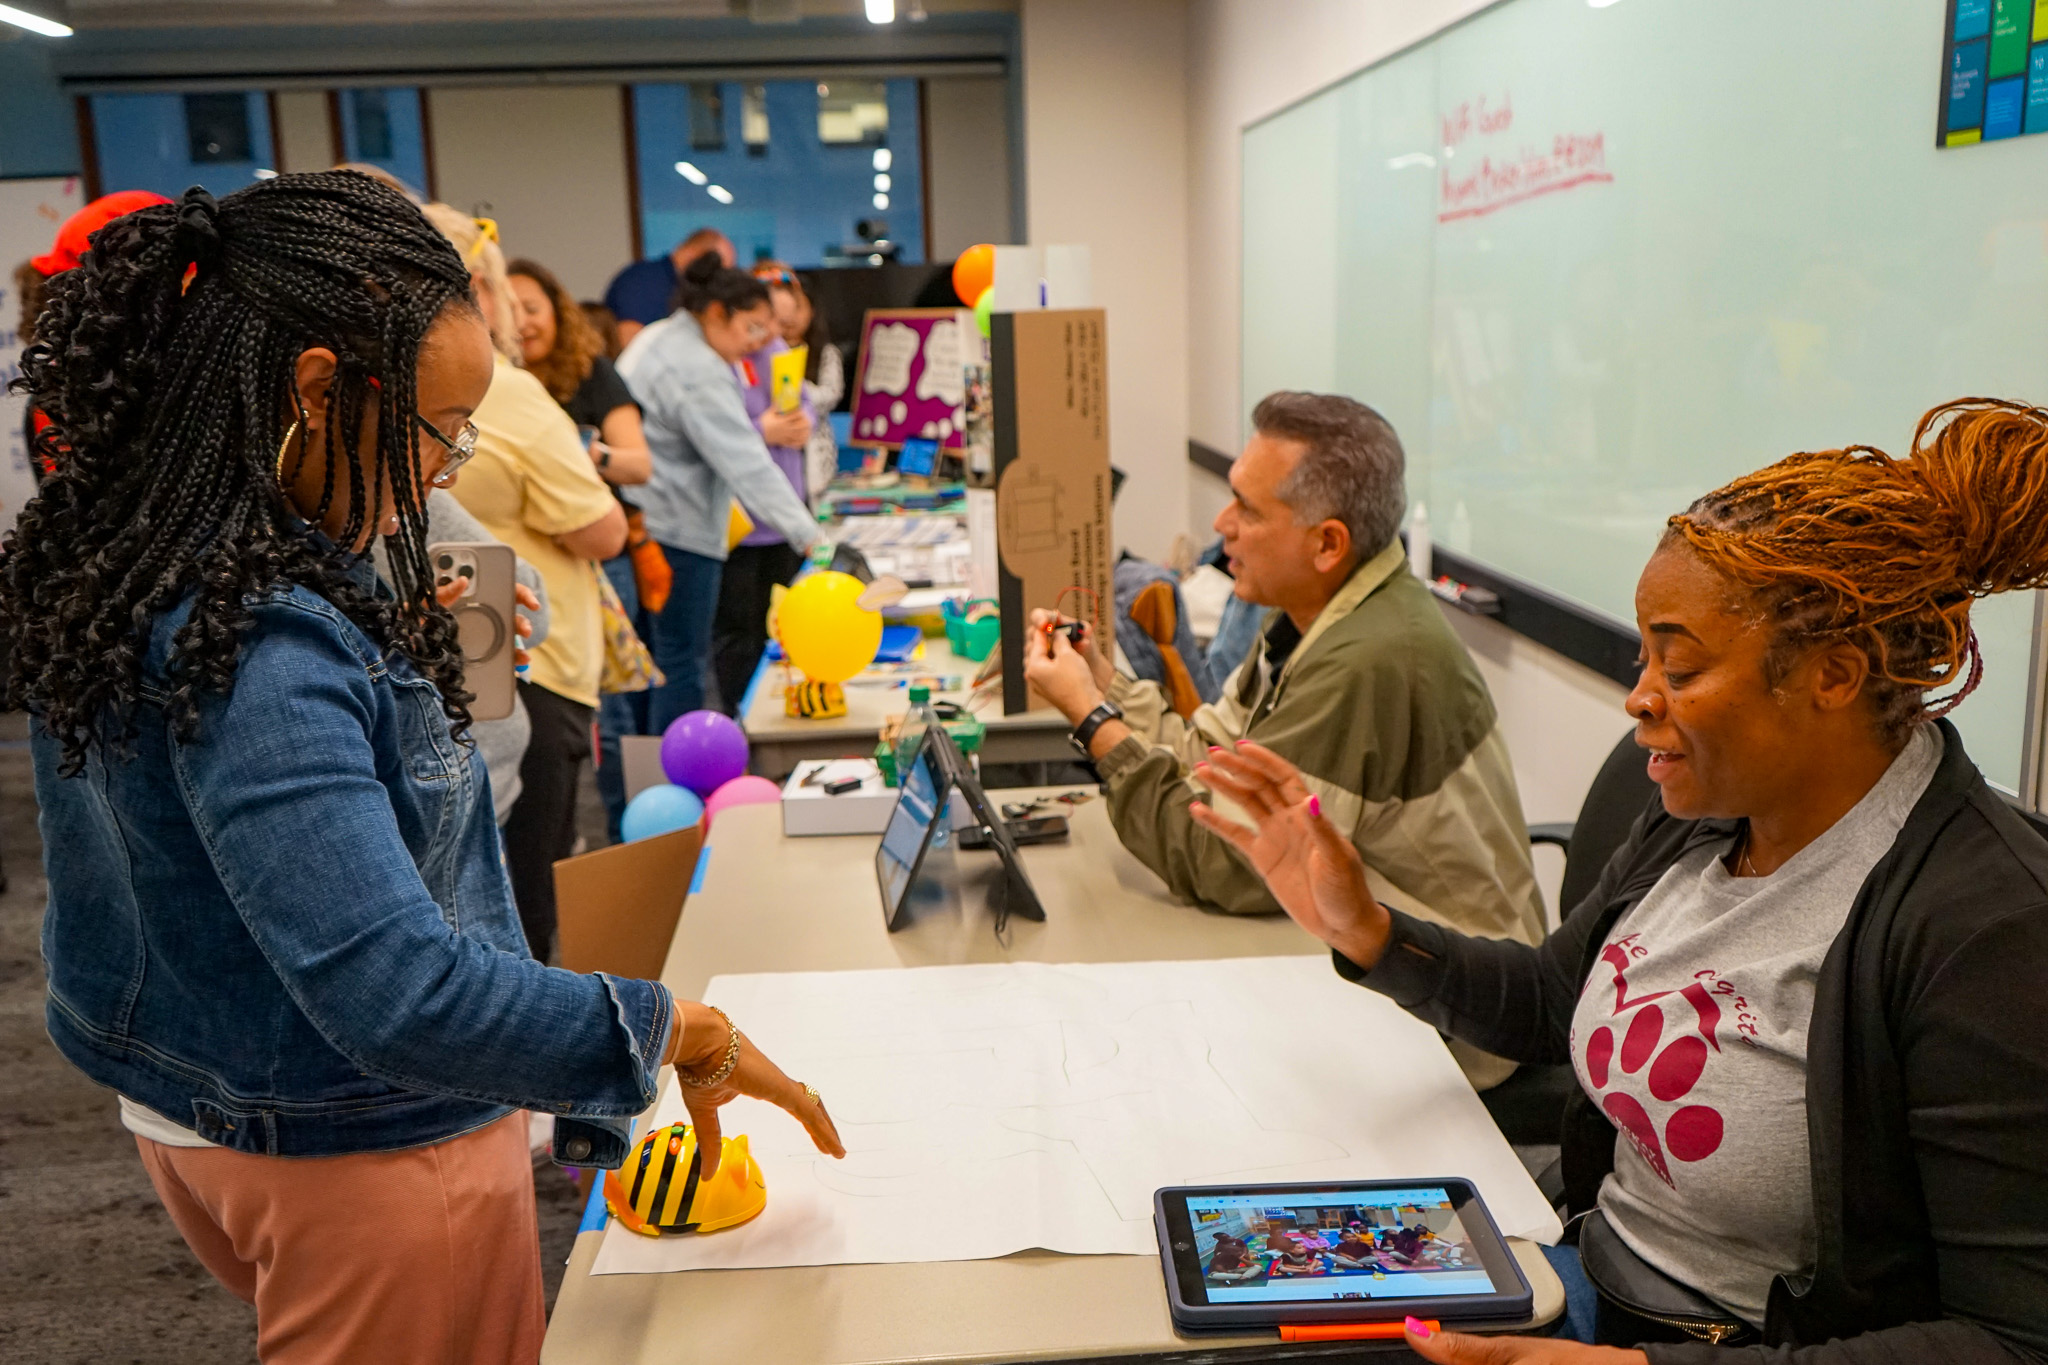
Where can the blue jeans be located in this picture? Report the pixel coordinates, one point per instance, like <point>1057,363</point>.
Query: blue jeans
<point>1581,1300</point>
<point>680,637</point>
<point>619,713</point>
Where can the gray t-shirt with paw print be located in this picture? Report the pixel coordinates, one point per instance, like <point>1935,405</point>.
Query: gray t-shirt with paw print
<point>1691,1036</point>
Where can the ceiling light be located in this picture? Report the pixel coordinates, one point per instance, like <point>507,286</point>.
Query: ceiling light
<point>719,192</point>
<point>882,182</point>
<point>50,28</point>
<point>882,158</point>
<point>881,201</point>
<point>691,173</point>
<point>881,11</point>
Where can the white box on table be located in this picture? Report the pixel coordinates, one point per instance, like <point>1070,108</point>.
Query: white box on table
<point>811,810</point>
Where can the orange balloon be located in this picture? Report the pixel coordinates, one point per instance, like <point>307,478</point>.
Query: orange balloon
<point>974,272</point>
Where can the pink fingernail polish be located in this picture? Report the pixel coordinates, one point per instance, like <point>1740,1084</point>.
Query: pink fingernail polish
<point>1418,1327</point>
<point>1315,808</point>
<point>1215,748</point>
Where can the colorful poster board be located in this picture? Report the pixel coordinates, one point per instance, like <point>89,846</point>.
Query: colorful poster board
<point>910,381</point>
<point>1994,72</point>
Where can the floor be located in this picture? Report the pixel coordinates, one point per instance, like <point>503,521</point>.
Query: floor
<point>94,1272</point>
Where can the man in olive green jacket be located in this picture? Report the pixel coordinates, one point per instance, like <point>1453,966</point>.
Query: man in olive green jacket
<point>1356,679</point>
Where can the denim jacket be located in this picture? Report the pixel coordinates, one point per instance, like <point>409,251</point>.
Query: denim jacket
<point>294,933</point>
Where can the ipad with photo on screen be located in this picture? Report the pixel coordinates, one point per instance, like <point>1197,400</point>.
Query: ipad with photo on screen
<point>1335,1252</point>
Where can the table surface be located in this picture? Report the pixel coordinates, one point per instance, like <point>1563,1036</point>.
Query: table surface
<point>822,912</point>
<point>868,707</point>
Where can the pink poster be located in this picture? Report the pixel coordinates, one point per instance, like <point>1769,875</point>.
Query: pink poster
<point>910,380</point>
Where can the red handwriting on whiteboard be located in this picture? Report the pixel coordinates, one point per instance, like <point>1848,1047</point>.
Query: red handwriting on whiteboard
<point>1477,116</point>
<point>1572,159</point>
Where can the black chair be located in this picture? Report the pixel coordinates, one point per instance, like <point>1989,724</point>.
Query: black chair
<point>1528,1106</point>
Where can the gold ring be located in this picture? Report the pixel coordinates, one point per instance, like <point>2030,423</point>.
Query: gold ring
<point>812,1091</point>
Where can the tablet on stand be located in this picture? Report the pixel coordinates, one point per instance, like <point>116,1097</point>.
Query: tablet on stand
<point>915,827</point>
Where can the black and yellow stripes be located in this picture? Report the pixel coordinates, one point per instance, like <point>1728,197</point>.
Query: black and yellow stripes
<point>657,1196</point>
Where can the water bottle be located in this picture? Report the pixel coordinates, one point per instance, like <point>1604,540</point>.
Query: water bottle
<point>920,715</point>
<point>909,737</point>
<point>1421,559</point>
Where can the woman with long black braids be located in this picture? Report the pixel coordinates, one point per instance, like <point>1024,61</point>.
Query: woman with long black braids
<point>279,924</point>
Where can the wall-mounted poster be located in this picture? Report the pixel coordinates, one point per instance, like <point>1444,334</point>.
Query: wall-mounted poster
<point>910,381</point>
<point>1994,71</point>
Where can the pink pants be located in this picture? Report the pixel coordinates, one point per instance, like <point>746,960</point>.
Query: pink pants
<point>431,1254</point>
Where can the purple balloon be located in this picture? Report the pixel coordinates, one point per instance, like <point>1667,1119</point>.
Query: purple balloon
<point>703,750</point>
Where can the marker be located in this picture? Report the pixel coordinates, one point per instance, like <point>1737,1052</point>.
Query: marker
<point>1348,1331</point>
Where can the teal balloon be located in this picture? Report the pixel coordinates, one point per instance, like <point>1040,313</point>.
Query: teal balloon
<point>660,810</point>
<point>983,306</point>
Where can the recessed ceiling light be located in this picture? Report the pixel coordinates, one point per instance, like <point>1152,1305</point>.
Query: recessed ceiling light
<point>719,192</point>
<point>50,28</point>
<point>882,158</point>
<point>881,201</point>
<point>691,173</point>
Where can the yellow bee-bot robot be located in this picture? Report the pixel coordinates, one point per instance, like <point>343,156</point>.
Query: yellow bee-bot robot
<point>658,1191</point>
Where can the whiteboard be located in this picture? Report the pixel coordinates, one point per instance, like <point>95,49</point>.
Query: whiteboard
<point>31,211</point>
<point>1594,262</point>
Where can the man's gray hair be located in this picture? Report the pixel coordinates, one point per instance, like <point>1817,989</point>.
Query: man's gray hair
<point>1351,467</point>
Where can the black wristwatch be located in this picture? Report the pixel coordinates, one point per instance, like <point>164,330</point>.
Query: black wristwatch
<point>1107,710</point>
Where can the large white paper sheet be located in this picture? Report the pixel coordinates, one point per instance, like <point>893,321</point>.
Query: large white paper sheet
<point>992,1109</point>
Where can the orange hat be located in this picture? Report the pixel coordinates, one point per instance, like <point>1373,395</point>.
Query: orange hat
<point>71,243</point>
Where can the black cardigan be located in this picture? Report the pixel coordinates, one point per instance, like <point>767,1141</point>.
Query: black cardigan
<point>1926,1078</point>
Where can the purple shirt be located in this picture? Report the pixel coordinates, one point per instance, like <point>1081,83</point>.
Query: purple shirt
<point>759,398</point>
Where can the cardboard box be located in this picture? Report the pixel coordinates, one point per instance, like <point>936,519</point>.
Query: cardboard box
<point>810,810</point>
<point>640,762</point>
<point>1053,528</point>
<point>617,908</point>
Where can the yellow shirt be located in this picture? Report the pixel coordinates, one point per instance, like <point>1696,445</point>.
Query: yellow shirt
<point>530,482</point>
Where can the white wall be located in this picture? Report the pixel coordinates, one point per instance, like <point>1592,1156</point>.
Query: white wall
<point>305,134</point>
<point>1105,135</point>
<point>968,152</point>
<point>550,163</point>
<point>1248,59</point>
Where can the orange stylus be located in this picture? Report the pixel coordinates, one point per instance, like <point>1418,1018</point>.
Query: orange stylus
<point>1347,1331</point>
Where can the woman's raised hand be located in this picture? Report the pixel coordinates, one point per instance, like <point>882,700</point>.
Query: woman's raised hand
<point>698,1046</point>
<point>1311,868</point>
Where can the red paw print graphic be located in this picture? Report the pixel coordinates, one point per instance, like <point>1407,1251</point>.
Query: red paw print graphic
<point>1693,1132</point>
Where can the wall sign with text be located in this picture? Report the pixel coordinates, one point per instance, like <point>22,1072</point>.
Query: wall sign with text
<point>1994,80</point>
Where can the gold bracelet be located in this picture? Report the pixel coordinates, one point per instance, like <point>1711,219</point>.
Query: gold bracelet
<point>732,1056</point>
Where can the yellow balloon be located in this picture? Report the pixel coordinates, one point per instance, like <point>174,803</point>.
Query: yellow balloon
<point>824,630</point>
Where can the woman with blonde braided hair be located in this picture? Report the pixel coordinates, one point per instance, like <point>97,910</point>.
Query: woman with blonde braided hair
<point>1807,1003</point>
<point>279,924</point>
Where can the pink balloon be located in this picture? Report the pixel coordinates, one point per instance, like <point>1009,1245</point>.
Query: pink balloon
<point>741,791</point>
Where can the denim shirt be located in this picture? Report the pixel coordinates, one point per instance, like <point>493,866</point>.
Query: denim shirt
<point>294,933</point>
<point>706,448</point>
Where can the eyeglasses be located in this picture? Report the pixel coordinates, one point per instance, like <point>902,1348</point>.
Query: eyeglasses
<point>461,450</point>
